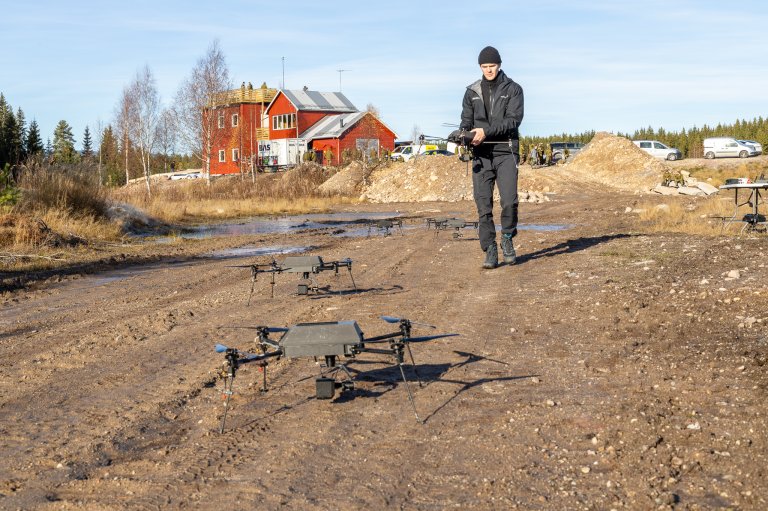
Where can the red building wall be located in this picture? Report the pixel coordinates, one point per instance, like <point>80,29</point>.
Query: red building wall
<point>242,137</point>
<point>367,127</point>
<point>280,106</point>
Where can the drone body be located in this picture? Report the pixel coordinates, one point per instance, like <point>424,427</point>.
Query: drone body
<point>329,340</point>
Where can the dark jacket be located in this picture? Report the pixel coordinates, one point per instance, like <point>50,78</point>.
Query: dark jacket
<point>506,114</point>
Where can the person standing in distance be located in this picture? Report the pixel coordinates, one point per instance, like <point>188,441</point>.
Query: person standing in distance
<point>492,111</point>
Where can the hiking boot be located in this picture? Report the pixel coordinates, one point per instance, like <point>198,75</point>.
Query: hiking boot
<point>491,257</point>
<point>508,249</point>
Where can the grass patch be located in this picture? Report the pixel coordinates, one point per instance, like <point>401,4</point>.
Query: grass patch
<point>703,218</point>
<point>717,176</point>
<point>291,192</point>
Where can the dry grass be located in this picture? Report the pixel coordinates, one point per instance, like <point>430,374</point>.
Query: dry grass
<point>57,209</point>
<point>294,191</point>
<point>704,218</point>
<point>716,175</point>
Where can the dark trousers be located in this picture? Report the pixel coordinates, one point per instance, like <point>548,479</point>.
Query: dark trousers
<point>502,171</point>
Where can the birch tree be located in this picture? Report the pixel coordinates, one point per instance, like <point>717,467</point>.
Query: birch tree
<point>194,104</point>
<point>143,119</point>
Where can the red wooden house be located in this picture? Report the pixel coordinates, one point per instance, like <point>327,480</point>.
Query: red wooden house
<point>294,121</point>
<point>240,121</point>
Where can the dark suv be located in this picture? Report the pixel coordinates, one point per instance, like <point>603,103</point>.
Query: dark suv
<point>558,149</point>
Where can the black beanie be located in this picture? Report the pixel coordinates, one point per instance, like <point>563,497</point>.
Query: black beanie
<point>489,55</point>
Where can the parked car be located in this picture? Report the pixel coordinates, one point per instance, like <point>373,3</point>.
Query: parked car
<point>723,147</point>
<point>440,152</point>
<point>406,152</point>
<point>186,175</point>
<point>757,145</point>
<point>559,148</point>
<point>658,150</point>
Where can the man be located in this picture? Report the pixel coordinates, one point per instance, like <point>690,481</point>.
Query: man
<point>492,111</point>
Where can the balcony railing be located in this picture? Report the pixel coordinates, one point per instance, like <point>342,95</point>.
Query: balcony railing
<point>245,95</point>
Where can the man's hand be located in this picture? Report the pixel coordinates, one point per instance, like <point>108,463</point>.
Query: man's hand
<point>479,136</point>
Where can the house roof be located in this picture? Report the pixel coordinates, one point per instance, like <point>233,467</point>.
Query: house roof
<point>319,101</point>
<point>332,126</point>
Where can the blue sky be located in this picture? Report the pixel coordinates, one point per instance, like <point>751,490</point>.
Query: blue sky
<point>602,65</point>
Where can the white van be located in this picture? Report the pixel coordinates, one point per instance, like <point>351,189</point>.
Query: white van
<point>406,152</point>
<point>658,150</point>
<point>723,147</point>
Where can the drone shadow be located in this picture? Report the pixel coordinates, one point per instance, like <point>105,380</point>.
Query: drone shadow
<point>328,293</point>
<point>569,246</point>
<point>424,375</point>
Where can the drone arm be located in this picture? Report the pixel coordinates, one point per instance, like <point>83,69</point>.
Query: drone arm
<point>262,356</point>
<point>381,338</point>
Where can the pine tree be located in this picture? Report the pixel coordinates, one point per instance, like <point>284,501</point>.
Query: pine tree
<point>64,144</point>
<point>87,143</point>
<point>21,140</point>
<point>34,142</point>
<point>48,149</point>
<point>4,138</point>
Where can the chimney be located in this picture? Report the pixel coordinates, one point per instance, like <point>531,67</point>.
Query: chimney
<point>341,122</point>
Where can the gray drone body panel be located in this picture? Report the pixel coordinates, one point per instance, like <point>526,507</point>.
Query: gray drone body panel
<point>321,339</point>
<point>302,264</point>
<point>456,223</point>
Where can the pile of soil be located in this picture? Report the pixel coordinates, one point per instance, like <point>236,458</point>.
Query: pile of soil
<point>616,162</point>
<point>347,182</point>
<point>425,179</point>
<point>302,180</point>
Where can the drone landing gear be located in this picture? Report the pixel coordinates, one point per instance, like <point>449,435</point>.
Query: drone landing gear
<point>326,384</point>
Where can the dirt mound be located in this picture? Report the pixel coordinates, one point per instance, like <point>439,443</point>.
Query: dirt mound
<point>616,162</point>
<point>425,179</point>
<point>348,181</point>
<point>302,180</point>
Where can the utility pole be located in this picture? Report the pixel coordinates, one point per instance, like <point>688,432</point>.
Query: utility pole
<point>341,71</point>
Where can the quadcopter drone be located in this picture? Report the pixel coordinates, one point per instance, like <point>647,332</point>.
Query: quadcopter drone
<point>456,224</point>
<point>329,340</point>
<point>444,223</point>
<point>385,225</point>
<point>307,266</point>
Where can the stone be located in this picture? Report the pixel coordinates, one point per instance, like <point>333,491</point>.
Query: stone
<point>665,190</point>
<point>689,190</point>
<point>734,274</point>
<point>706,188</point>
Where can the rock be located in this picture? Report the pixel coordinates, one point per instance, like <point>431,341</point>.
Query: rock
<point>707,188</point>
<point>734,274</point>
<point>628,209</point>
<point>665,190</point>
<point>685,174</point>
<point>689,190</point>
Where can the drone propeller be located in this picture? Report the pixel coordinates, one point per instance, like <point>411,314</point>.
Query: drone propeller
<point>220,348</point>
<point>270,329</point>
<point>392,319</point>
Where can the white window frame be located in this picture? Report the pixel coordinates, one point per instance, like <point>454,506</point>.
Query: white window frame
<point>235,120</point>
<point>221,120</point>
<point>284,121</point>
<point>235,154</point>
<point>222,156</point>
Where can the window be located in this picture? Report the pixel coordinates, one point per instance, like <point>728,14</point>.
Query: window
<point>645,145</point>
<point>221,119</point>
<point>222,155</point>
<point>235,154</point>
<point>235,120</point>
<point>658,145</point>
<point>283,121</point>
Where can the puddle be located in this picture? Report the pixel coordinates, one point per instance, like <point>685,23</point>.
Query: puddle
<point>543,227</point>
<point>253,251</point>
<point>286,224</point>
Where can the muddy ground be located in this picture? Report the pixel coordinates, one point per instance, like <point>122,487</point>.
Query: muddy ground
<point>607,369</point>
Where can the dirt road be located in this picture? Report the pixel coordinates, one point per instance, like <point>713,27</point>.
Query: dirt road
<point>608,369</point>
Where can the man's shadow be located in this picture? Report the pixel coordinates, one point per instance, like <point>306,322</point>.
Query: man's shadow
<point>569,246</point>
